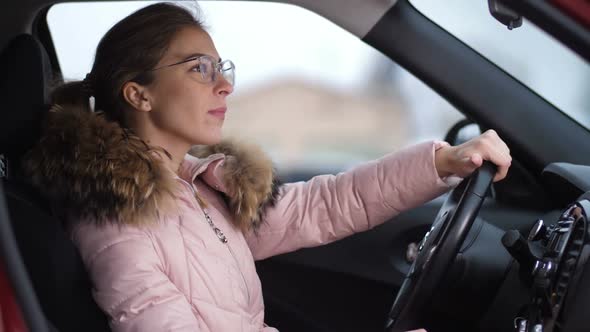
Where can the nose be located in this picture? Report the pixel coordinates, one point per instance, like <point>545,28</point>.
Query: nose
<point>223,87</point>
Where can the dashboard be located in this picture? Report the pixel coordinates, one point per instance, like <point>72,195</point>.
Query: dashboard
<point>547,287</point>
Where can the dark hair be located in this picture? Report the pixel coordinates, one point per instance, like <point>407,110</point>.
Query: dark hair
<point>127,52</point>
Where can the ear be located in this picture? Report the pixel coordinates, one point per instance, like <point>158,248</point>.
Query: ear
<point>137,96</point>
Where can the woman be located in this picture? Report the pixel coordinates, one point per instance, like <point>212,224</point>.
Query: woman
<point>170,239</point>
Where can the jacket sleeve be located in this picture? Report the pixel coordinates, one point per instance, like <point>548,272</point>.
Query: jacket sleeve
<point>130,285</point>
<point>330,207</point>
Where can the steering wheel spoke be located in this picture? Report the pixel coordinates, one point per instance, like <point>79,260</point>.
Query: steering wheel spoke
<point>438,249</point>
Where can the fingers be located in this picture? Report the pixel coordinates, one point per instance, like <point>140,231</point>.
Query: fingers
<point>498,142</point>
<point>501,173</point>
<point>470,155</point>
<point>476,160</point>
<point>488,146</point>
<point>498,153</point>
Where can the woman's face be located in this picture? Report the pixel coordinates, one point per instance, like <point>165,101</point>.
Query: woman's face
<point>183,107</point>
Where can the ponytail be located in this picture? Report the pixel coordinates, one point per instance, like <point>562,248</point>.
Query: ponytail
<point>71,94</point>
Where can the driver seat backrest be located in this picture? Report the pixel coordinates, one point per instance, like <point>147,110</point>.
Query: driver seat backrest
<point>52,261</point>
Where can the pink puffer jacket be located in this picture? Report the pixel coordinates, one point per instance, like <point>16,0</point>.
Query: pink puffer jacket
<point>162,267</point>
<point>178,276</point>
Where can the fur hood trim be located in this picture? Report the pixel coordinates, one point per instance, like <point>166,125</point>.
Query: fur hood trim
<point>247,178</point>
<point>93,169</point>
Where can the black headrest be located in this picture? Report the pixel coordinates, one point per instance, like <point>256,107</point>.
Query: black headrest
<point>24,86</point>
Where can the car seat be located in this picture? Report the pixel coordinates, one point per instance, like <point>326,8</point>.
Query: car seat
<point>52,262</point>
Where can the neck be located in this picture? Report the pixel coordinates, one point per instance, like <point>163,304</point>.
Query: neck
<point>175,148</point>
<point>172,158</point>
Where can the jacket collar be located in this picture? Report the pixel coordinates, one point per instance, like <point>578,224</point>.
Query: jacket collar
<point>191,166</point>
<point>95,170</point>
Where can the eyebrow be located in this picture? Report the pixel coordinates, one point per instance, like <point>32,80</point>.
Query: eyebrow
<point>185,59</point>
<point>194,55</point>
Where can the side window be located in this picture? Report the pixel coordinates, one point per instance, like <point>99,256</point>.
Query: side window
<point>313,95</point>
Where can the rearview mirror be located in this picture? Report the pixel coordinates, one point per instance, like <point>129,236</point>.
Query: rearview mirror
<point>504,15</point>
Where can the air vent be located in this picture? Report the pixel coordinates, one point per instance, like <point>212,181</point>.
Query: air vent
<point>569,261</point>
<point>2,166</point>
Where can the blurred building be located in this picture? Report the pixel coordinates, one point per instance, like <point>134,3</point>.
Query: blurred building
<point>302,124</point>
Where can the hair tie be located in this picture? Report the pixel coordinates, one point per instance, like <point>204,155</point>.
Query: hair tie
<point>87,85</point>
<point>88,89</point>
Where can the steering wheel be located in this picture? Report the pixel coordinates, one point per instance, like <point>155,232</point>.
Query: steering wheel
<point>438,249</point>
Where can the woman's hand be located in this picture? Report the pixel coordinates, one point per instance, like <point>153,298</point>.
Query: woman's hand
<point>462,160</point>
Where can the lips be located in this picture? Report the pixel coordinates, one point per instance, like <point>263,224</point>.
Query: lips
<point>218,112</point>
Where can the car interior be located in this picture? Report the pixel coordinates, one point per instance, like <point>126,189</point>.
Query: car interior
<point>508,256</point>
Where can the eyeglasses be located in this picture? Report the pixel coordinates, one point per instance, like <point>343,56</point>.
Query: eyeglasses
<point>208,68</point>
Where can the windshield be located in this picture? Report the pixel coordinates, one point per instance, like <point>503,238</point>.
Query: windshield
<point>527,53</point>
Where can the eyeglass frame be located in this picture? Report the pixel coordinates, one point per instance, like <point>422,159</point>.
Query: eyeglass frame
<point>216,64</point>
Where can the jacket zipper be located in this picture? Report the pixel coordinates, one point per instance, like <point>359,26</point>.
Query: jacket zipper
<point>240,270</point>
<point>217,231</point>
<point>208,218</point>
<point>220,236</point>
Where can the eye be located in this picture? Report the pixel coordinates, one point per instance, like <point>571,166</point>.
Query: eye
<point>200,68</point>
